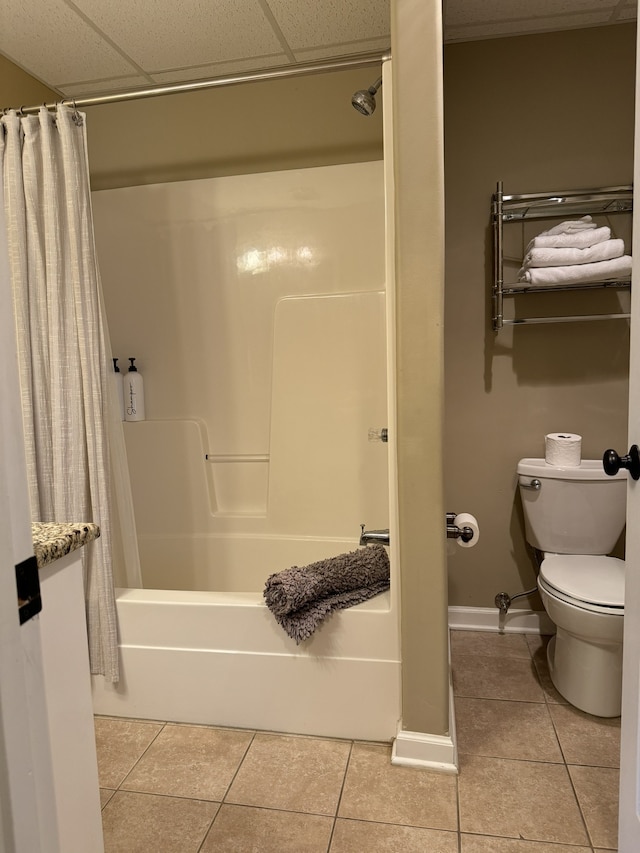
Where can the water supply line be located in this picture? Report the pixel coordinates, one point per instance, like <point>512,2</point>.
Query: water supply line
<point>503,600</point>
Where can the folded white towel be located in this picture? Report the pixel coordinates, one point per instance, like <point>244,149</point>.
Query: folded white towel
<point>570,226</point>
<point>618,268</point>
<point>566,257</point>
<point>577,240</point>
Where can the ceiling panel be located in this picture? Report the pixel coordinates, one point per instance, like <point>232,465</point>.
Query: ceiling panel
<point>471,32</point>
<point>348,49</point>
<point>222,69</point>
<point>100,46</point>
<point>485,11</point>
<point>54,44</point>
<point>165,34</point>
<point>309,23</point>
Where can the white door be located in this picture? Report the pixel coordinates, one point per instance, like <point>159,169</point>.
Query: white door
<point>629,828</point>
<point>27,803</point>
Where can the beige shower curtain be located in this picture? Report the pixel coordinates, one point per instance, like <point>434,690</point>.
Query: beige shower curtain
<point>63,346</point>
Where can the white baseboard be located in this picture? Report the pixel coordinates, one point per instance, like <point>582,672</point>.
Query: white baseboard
<point>490,619</point>
<point>425,751</point>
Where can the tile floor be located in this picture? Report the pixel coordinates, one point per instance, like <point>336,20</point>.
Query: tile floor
<point>536,776</point>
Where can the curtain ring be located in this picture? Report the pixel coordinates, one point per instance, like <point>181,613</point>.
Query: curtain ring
<point>20,111</point>
<point>77,118</point>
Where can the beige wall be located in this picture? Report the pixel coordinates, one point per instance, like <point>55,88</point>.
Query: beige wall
<point>17,88</point>
<point>417,76</point>
<point>258,127</point>
<point>545,112</point>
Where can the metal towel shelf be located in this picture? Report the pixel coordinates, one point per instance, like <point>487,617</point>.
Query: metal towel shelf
<point>508,209</point>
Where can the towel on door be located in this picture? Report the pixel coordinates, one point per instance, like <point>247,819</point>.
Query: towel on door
<point>301,597</point>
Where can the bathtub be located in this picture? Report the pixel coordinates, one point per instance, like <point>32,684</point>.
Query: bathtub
<point>219,658</point>
<point>263,379</point>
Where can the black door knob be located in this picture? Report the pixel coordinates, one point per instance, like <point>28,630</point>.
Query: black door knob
<point>612,463</point>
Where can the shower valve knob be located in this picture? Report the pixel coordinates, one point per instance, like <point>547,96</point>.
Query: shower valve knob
<point>612,463</point>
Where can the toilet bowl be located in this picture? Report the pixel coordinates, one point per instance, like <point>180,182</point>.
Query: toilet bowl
<point>574,517</point>
<point>584,598</point>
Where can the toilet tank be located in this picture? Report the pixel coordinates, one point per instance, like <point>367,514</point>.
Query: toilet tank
<point>577,510</point>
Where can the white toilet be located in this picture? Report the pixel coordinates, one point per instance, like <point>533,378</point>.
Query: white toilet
<point>574,516</point>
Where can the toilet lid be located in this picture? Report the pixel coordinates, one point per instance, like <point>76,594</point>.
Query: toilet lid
<point>594,580</point>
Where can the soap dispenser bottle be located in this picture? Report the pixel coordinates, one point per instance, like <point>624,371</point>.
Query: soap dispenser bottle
<point>133,394</point>
<point>119,383</point>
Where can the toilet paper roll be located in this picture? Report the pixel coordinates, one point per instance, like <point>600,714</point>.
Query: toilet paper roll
<point>563,449</point>
<point>465,519</point>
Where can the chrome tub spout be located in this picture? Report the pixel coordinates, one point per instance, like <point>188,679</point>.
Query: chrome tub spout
<point>369,536</point>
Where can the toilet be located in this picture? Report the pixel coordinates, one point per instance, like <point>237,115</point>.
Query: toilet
<point>574,516</point>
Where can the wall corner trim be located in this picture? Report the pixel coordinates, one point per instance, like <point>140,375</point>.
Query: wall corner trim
<point>426,751</point>
<point>422,750</point>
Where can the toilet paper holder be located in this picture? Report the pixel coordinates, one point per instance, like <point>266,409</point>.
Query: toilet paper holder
<point>456,532</point>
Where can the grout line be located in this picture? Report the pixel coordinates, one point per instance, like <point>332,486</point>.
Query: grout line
<point>213,820</point>
<point>344,780</point>
<point>582,817</point>
<point>237,770</point>
<point>589,843</point>
<point>131,769</point>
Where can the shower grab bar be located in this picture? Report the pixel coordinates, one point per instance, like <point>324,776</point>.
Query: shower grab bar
<point>456,532</point>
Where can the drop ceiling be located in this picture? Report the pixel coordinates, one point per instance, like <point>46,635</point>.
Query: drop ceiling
<point>85,47</point>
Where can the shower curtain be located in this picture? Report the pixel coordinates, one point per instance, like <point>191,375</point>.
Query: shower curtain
<point>63,346</point>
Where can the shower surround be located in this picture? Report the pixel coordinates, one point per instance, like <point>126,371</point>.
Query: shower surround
<point>256,309</point>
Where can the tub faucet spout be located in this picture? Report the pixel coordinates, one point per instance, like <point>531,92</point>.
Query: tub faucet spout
<point>369,536</point>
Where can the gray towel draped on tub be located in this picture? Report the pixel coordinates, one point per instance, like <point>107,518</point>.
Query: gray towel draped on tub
<point>301,597</point>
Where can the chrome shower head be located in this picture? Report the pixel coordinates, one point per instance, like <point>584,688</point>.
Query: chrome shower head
<point>365,99</point>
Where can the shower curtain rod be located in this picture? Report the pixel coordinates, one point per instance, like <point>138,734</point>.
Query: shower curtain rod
<point>363,60</point>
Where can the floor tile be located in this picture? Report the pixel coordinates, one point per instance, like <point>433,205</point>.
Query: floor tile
<point>139,823</point>
<point>485,844</point>
<point>296,773</point>
<point>503,729</point>
<point>105,796</point>
<point>542,669</point>
<point>119,744</point>
<point>376,790</point>
<point>586,739</point>
<point>243,829</point>
<point>490,677</point>
<point>519,799</point>
<point>536,642</point>
<point>489,643</point>
<point>356,836</point>
<point>597,792</point>
<point>190,761</point>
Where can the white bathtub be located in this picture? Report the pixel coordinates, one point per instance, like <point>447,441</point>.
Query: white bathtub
<point>220,658</point>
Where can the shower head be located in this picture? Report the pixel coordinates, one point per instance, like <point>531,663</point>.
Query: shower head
<point>365,99</point>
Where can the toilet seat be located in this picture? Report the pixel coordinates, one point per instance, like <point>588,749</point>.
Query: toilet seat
<point>592,583</point>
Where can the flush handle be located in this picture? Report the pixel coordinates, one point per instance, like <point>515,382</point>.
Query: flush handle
<point>612,463</point>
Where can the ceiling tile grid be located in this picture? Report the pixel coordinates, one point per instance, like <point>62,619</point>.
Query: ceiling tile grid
<point>312,24</point>
<point>167,34</point>
<point>100,46</point>
<point>51,42</point>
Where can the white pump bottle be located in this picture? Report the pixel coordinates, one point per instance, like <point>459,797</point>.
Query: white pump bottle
<point>133,394</point>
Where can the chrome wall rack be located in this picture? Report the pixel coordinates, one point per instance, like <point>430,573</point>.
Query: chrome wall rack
<point>509,209</point>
